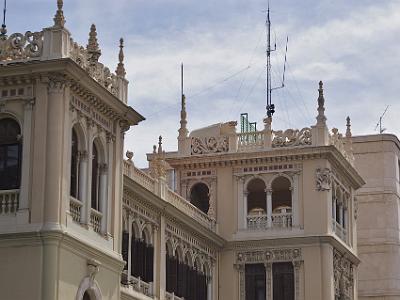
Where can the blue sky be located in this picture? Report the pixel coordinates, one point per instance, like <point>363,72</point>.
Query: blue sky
<point>352,46</point>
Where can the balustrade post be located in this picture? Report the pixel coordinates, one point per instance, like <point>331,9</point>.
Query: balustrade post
<point>268,133</point>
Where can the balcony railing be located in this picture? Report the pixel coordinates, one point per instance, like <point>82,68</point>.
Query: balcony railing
<point>95,220</point>
<point>172,296</point>
<point>339,231</point>
<point>75,207</point>
<point>261,221</point>
<point>9,201</point>
<point>141,286</point>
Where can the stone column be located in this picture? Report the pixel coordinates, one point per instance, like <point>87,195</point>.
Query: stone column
<point>341,214</point>
<point>156,260</point>
<point>162,253</point>
<point>50,268</point>
<point>129,247</point>
<point>83,184</point>
<point>297,280</point>
<point>103,197</point>
<point>242,281</point>
<point>295,201</point>
<point>269,207</point>
<point>240,205</point>
<point>328,291</point>
<point>88,198</point>
<point>209,288</point>
<point>245,209</point>
<point>23,208</point>
<point>268,279</point>
<point>54,153</point>
<point>110,180</point>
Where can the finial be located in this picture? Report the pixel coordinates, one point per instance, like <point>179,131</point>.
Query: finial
<point>348,125</point>
<point>321,119</point>
<point>121,67</point>
<point>183,132</point>
<point>160,151</point>
<point>154,149</point>
<point>129,155</point>
<point>93,46</point>
<point>59,20</point>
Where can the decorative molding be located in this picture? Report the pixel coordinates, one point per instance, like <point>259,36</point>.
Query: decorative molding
<point>208,145</point>
<point>343,271</point>
<point>269,255</point>
<point>323,179</point>
<point>19,46</point>
<point>292,138</point>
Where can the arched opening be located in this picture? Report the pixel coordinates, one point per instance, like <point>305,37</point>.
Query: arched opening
<point>74,179</point>
<point>281,195</point>
<point>86,296</point>
<point>200,197</point>
<point>10,154</point>
<point>95,177</point>
<point>281,202</point>
<point>256,197</point>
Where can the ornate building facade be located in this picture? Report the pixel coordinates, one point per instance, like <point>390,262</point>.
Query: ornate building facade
<point>270,214</point>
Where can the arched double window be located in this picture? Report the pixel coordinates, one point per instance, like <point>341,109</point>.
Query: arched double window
<point>10,154</point>
<point>142,257</point>
<point>200,197</point>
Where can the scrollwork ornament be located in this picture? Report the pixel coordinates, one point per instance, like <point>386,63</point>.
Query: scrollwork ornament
<point>323,179</point>
<point>209,145</point>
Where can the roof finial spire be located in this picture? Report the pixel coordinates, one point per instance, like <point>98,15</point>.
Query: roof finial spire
<point>93,46</point>
<point>121,67</point>
<point>160,150</point>
<point>3,30</point>
<point>348,127</point>
<point>59,20</point>
<point>183,132</point>
<point>321,119</point>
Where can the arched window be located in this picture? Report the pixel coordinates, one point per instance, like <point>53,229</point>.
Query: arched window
<point>74,165</point>
<point>10,154</point>
<point>281,195</point>
<point>200,197</point>
<point>95,178</point>
<point>256,198</point>
<point>86,296</point>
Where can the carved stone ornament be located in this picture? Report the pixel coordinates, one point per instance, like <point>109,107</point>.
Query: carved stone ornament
<point>269,255</point>
<point>209,145</point>
<point>292,138</point>
<point>343,274</point>
<point>21,46</point>
<point>323,179</point>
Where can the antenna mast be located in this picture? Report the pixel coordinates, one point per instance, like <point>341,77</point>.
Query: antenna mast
<point>3,26</point>
<point>270,105</point>
<point>379,124</point>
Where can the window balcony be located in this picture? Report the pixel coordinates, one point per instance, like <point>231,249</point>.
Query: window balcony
<point>262,221</point>
<point>339,231</point>
<point>9,202</point>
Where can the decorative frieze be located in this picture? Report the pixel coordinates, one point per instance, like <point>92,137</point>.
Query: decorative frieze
<point>21,46</point>
<point>208,145</point>
<point>343,271</point>
<point>269,255</point>
<point>291,138</point>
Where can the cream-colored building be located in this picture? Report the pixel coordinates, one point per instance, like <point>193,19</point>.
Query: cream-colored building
<point>255,215</point>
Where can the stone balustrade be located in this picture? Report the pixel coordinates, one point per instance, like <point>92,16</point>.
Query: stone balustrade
<point>170,196</point>
<point>95,220</point>
<point>250,141</point>
<point>339,231</point>
<point>262,222</point>
<point>75,207</point>
<point>9,201</point>
<point>19,46</point>
<point>141,286</point>
<point>172,296</point>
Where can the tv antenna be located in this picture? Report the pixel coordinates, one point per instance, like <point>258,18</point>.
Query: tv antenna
<point>3,30</point>
<point>379,124</point>
<point>270,105</point>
